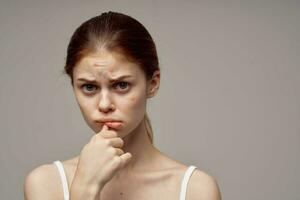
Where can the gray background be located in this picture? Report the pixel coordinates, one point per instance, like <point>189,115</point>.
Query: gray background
<point>228,101</point>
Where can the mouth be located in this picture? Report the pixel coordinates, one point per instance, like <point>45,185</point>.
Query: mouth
<point>113,124</point>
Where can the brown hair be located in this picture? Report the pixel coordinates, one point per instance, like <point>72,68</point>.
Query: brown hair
<point>118,32</point>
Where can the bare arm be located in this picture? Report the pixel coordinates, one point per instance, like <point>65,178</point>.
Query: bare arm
<point>38,181</point>
<point>203,187</point>
<point>36,184</point>
<point>102,152</point>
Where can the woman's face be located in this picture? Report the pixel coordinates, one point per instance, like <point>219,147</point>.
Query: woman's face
<point>100,98</point>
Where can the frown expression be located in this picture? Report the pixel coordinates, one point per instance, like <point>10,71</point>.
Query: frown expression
<point>99,97</point>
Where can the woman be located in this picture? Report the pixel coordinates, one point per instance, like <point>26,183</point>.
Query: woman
<point>113,68</point>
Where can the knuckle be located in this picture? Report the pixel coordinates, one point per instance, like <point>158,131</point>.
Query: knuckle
<point>121,141</point>
<point>117,160</point>
<point>121,151</point>
<point>114,134</point>
<point>96,137</point>
<point>112,150</point>
<point>107,142</point>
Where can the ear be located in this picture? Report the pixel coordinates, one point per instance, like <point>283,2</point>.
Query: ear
<point>153,84</point>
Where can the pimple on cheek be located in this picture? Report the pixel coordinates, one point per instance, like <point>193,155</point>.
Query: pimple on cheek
<point>132,99</point>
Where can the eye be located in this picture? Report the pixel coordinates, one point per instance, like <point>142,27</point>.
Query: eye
<point>90,86</point>
<point>123,85</point>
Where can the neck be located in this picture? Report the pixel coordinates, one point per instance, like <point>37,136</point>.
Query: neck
<point>142,150</point>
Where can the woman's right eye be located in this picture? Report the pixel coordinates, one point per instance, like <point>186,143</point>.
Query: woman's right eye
<point>88,86</point>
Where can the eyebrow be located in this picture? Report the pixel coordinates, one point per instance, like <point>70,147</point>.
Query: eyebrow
<point>111,80</point>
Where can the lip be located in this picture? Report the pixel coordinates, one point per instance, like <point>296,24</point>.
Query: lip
<point>108,120</point>
<point>114,125</point>
<point>111,123</point>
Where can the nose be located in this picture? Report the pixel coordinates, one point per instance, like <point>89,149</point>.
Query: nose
<point>105,104</point>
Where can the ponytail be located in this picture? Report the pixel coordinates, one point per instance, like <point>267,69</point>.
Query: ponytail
<point>149,128</point>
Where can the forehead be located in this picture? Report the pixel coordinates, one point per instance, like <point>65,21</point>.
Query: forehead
<point>105,64</point>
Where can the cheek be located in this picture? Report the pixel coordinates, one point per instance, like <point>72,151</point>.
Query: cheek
<point>134,104</point>
<point>137,101</point>
<point>85,105</point>
<point>132,99</point>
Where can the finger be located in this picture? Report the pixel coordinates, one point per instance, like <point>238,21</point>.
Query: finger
<point>109,134</point>
<point>119,151</point>
<point>126,157</point>
<point>116,142</point>
<point>105,132</point>
<point>104,128</point>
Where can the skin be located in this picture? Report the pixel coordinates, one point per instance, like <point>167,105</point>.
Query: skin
<point>150,174</point>
<point>122,102</point>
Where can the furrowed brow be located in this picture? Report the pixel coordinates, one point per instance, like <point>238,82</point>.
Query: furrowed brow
<point>111,80</point>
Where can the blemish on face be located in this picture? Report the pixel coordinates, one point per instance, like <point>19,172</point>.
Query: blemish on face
<point>132,98</point>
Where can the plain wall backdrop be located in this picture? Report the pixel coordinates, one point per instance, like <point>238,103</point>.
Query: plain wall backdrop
<point>228,102</point>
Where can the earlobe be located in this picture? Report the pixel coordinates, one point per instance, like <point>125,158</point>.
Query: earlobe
<point>151,94</point>
<point>152,90</point>
<point>153,84</point>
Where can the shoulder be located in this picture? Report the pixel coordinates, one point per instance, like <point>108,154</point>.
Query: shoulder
<point>203,186</point>
<point>41,183</point>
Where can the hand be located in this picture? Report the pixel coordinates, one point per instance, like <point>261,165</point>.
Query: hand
<point>101,158</point>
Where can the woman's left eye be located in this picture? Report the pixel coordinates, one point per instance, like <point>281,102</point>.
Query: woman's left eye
<point>123,85</point>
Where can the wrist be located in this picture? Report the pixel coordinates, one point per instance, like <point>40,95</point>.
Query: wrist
<point>80,191</point>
